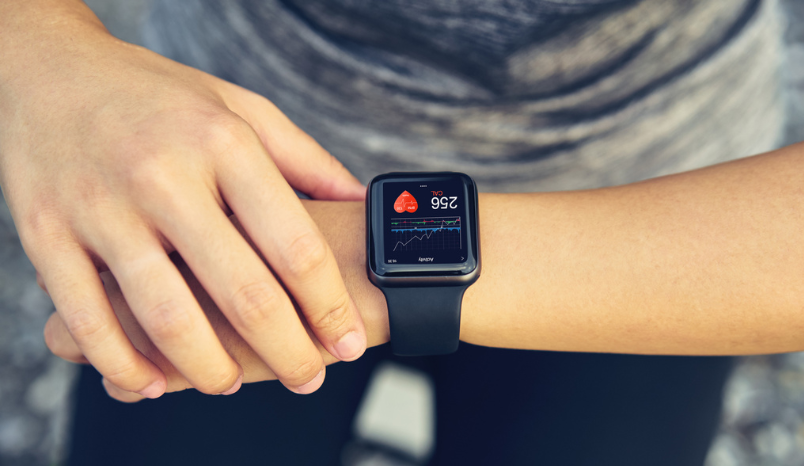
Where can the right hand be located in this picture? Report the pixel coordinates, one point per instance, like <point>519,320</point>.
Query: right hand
<point>111,156</point>
<point>343,227</point>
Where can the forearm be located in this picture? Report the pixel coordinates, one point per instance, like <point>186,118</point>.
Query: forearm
<point>704,262</point>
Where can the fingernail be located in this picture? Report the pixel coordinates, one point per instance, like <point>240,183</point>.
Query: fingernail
<point>155,390</point>
<point>312,385</point>
<point>350,346</point>
<point>235,387</point>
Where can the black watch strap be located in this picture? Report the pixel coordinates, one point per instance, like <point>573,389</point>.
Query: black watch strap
<point>424,320</point>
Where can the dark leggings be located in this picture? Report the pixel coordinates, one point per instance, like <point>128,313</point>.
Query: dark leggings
<point>494,406</point>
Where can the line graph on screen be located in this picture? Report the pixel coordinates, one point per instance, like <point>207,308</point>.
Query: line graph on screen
<point>426,233</point>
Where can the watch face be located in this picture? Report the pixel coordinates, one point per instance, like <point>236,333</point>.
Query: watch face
<point>423,223</point>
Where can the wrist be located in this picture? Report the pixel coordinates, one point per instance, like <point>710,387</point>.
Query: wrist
<point>41,42</point>
<point>343,226</point>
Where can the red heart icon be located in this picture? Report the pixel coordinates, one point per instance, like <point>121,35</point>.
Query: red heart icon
<point>405,202</point>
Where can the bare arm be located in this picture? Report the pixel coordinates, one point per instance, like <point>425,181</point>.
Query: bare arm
<point>705,262</point>
<point>111,156</point>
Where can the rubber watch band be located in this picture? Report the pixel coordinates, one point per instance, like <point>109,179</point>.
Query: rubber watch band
<point>424,320</point>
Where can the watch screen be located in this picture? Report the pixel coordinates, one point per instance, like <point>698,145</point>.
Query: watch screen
<point>424,222</point>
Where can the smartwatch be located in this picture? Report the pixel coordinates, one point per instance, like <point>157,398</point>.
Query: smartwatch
<point>423,252</point>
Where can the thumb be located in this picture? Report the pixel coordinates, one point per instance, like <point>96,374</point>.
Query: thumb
<point>306,165</point>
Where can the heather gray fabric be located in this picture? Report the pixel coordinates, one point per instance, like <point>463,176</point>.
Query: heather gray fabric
<point>521,95</point>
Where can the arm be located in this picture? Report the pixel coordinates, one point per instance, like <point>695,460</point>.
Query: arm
<point>704,262</point>
<point>111,156</point>
<point>708,262</point>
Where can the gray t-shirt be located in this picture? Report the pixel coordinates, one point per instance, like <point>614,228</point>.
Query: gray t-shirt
<point>522,95</point>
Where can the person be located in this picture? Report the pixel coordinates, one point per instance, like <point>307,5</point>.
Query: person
<point>543,97</point>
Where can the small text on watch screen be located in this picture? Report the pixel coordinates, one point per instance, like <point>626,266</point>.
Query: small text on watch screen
<point>424,222</point>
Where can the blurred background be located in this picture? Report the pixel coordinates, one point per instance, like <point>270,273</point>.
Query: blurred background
<point>763,415</point>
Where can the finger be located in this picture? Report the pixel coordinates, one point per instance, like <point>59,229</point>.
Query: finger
<point>306,165</point>
<point>60,342</point>
<point>120,394</point>
<point>78,294</point>
<point>165,308</point>
<point>245,290</point>
<point>296,251</point>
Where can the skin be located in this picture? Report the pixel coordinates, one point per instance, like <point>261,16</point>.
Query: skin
<point>112,156</point>
<point>706,262</point>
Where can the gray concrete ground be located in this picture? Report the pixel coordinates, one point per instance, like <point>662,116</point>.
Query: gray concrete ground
<point>763,420</point>
<point>34,385</point>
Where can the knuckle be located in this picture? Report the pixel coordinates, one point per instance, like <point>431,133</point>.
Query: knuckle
<point>90,191</point>
<point>151,175</point>
<point>336,319</point>
<point>85,326</point>
<point>168,321</point>
<point>302,372</point>
<point>253,304</point>
<point>223,132</point>
<point>306,254</point>
<point>41,219</point>
<point>42,229</point>
<point>152,169</point>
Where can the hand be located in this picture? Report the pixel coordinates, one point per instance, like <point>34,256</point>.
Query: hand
<point>111,156</point>
<point>342,226</point>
